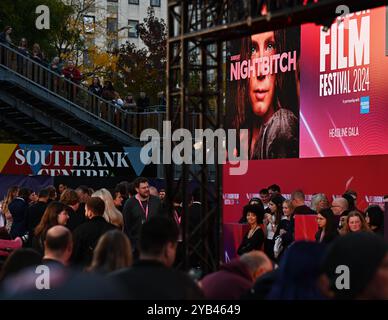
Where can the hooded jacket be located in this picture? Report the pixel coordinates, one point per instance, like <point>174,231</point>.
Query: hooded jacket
<point>229,283</point>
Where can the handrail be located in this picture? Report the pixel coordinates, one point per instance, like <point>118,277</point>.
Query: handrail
<point>53,73</point>
<point>133,123</point>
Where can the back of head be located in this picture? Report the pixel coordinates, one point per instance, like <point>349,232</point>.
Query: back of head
<point>83,189</point>
<point>256,260</point>
<point>123,187</point>
<point>19,260</point>
<point>52,192</point>
<point>274,188</point>
<point>96,205</point>
<point>113,252</point>
<point>298,272</point>
<point>111,213</point>
<point>24,193</point>
<point>69,197</point>
<point>376,216</point>
<point>12,192</point>
<point>44,193</point>
<point>297,195</point>
<point>58,239</point>
<point>155,234</point>
<point>342,202</point>
<point>362,253</point>
<point>154,191</point>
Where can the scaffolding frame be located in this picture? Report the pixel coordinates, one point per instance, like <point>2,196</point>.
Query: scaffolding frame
<point>197,34</point>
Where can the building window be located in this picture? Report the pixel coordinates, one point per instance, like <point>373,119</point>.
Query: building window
<point>133,1</point>
<point>155,3</point>
<point>113,44</point>
<point>111,25</point>
<point>112,0</point>
<point>89,24</point>
<point>132,28</point>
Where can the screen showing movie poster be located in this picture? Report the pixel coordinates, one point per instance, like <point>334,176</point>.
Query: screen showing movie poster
<point>263,93</point>
<point>344,95</point>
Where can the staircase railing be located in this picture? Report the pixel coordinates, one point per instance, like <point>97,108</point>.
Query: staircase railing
<point>131,122</point>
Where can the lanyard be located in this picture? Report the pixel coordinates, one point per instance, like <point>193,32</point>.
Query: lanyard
<point>177,217</point>
<point>141,206</point>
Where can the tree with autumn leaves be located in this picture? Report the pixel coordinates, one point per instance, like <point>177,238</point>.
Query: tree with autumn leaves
<point>130,68</point>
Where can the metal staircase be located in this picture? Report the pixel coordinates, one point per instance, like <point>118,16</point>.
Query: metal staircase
<point>44,107</point>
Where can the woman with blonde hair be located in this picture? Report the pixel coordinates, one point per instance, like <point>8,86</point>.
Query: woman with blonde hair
<point>113,252</point>
<point>355,222</point>
<point>111,214</point>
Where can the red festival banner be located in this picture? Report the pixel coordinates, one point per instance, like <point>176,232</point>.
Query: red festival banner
<point>368,175</point>
<point>343,96</point>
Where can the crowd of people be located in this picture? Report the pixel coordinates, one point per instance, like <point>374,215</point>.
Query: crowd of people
<point>272,224</point>
<point>127,242</point>
<point>69,70</point>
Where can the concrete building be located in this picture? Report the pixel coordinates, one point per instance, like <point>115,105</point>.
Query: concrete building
<point>115,21</point>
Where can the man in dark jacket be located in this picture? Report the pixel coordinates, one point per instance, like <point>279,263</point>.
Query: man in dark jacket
<point>87,235</point>
<point>36,211</point>
<point>236,277</point>
<point>58,246</point>
<point>297,198</point>
<point>139,209</point>
<point>18,208</point>
<point>151,277</point>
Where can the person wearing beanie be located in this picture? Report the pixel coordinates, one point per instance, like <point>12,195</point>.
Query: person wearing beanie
<point>298,273</point>
<point>363,257</point>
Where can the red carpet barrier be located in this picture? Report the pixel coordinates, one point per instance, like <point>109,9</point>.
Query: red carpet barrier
<point>305,227</point>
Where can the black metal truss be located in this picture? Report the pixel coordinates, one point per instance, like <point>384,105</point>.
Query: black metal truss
<point>197,31</point>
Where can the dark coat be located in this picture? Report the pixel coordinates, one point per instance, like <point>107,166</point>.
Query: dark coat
<point>3,38</point>
<point>134,216</point>
<point>229,283</point>
<point>253,243</point>
<point>86,237</point>
<point>76,218</point>
<point>151,280</point>
<point>18,208</point>
<point>327,238</point>
<point>289,236</point>
<point>96,89</point>
<point>34,215</point>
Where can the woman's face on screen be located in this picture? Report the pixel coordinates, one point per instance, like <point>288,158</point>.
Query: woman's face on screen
<point>262,87</point>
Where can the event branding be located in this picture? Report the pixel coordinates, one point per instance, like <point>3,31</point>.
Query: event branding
<point>266,65</point>
<point>345,53</point>
<point>61,162</point>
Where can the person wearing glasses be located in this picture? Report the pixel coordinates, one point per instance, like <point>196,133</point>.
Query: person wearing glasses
<point>340,206</point>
